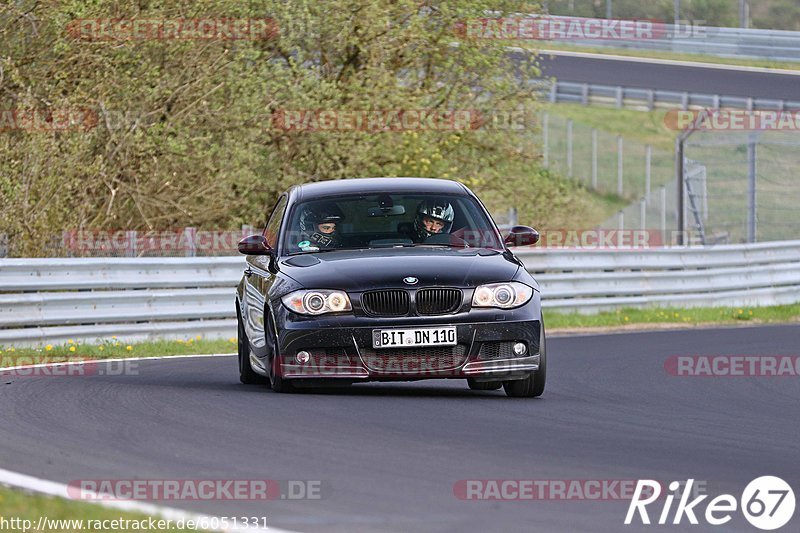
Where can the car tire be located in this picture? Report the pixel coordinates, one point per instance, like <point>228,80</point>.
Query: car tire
<point>533,385</point>
<point>246,373</point>
<point>276,382</point>
<point>484,385</point>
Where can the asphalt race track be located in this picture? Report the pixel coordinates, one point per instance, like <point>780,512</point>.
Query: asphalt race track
<point>653,75</point>
<point>389,455</point>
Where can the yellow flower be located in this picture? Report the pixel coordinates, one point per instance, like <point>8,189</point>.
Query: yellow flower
<point>116,344</point>
<point>100,348</point>
<point>198,337</point>
<point>741,312</point>
<point>12,349</point>
<point>232,340</point>
<point>48,347</point>
<point>71,348</point>
<point>129,347</point>
<point>70,341</point>
<point>626,319</point>
<point>751,311</point>
<point>113,337</point>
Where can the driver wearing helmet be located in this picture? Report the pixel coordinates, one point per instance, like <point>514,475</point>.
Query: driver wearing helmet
<point>433,216</point>
<point>318,225</point>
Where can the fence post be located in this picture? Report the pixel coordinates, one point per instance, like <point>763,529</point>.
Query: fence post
<point>643,213</point>
<point>188,237</point>
<point>131,245</point>
<point>569,148</point>
<point>663,215</point>
<point>594,159</point>
<point>648,159</point>
<point>620,189</point>
<point>751,190</point>
<point>546,140</point>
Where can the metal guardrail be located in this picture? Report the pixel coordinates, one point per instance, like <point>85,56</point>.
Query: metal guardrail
<point>777,45</point>
<point>51,300</point>
<point>649,99</point>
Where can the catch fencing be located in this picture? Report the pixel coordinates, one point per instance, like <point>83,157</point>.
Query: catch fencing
<point>88,299</point>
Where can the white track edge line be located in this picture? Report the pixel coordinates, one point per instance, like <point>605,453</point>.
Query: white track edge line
<point>673,62</point>
<point>59,490</point>
<point>114,360</point>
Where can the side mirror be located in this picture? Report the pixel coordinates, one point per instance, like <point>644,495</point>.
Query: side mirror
<point>521,236</point>
<point>254,245</point>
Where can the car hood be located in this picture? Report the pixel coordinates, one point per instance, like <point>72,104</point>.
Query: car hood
<point>356,270</point>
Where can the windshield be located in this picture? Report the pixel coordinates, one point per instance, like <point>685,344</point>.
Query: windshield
<point>388,220</point>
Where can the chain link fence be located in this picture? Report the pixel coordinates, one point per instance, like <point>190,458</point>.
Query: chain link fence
<point>747,188</point>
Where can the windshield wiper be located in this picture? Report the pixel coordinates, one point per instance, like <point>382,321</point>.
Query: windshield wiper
<point>321,250</point>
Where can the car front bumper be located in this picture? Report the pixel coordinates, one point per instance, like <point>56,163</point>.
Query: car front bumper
<point>341,347</point>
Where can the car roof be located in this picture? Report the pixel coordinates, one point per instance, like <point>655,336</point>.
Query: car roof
<point>376,185</point>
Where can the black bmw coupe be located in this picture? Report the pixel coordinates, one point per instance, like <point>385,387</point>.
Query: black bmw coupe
<point>388,279</point>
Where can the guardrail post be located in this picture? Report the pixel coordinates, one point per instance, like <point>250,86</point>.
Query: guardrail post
<point>594,159</point>
<point>619,166</point>
<point>554,93</point>
<point>619,98</point>
<point>648,159</point>
<point>651,99</point>
<point>685,101</point>
<point>546,140</point>
<point>749,104</point>
<point>569,148</point>
<point>716,101</point>
<point>585,94</point>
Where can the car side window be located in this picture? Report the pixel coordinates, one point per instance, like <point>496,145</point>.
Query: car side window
<point>274,224</point>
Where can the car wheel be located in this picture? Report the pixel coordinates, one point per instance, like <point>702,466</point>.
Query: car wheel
<point>276,382</point>
<point>484,385</point>
<point>246,373</point>
<point>533,385</point>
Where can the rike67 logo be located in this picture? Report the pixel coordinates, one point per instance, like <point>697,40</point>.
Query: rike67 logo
<point>767,502</point>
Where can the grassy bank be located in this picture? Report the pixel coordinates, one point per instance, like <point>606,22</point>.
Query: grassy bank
<point>674,316</point>
<point>67,516</point>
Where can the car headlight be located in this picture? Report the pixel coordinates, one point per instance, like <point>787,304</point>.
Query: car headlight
<point>503,295</point>
<point>317,302</point>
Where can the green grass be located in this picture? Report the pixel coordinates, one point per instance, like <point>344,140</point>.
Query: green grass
<point>763,63</point>
<point>688,317</point>
<point>113,348</point>
<point>17,504</point>
<point>643,127</point>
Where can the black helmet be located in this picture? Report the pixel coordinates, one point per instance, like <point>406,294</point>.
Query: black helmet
<point>313,216</point>
<point>437,209</point>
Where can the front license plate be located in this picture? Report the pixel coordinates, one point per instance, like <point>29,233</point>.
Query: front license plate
<point>401,338</point>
